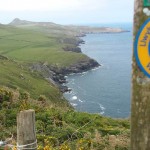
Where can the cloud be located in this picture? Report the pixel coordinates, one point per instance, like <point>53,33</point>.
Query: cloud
<point>50,5</point>
<point>41,5</point>
<point>67,11</point>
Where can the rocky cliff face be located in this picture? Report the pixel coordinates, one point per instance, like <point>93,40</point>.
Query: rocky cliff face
<point>57,75</point>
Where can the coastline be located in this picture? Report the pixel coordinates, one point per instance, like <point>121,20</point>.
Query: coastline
<point>105,85</point>
<point>69,38</point>
<point>57,75</point>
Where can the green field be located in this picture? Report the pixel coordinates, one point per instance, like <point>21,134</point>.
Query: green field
<point>24,46</point>
<point>33,45</point>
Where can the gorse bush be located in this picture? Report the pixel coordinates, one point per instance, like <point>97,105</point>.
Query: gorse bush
<point>5,95</point>
<point>61,129</point>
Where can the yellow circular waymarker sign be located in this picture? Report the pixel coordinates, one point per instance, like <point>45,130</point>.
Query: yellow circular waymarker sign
<point>142,48</point>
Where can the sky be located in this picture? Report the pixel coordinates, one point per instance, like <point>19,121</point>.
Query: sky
<point>67,11</point>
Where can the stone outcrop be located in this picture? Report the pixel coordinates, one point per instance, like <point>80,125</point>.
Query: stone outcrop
<point>73,49</point>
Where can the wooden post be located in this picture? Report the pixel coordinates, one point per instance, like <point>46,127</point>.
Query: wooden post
<point>140,116</point>
<point>26,129</point>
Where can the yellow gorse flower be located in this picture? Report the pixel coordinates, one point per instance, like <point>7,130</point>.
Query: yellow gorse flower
<point>47,147</point>
<point>14,148</point>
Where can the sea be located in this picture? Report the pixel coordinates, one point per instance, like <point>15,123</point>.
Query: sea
<point>105,90</point>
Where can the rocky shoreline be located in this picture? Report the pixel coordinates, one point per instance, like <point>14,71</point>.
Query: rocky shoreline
<point>57,75</point>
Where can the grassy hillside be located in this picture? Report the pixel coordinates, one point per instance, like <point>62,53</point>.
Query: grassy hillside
<point>17,76</point>
<point>59,128</point>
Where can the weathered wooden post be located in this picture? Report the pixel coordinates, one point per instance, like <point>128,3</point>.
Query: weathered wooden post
<point>26,136</point>
<point>140,116</point>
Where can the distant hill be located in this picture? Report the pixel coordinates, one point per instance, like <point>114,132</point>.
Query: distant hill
<point>18,21</point>
<point>80,30</point>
